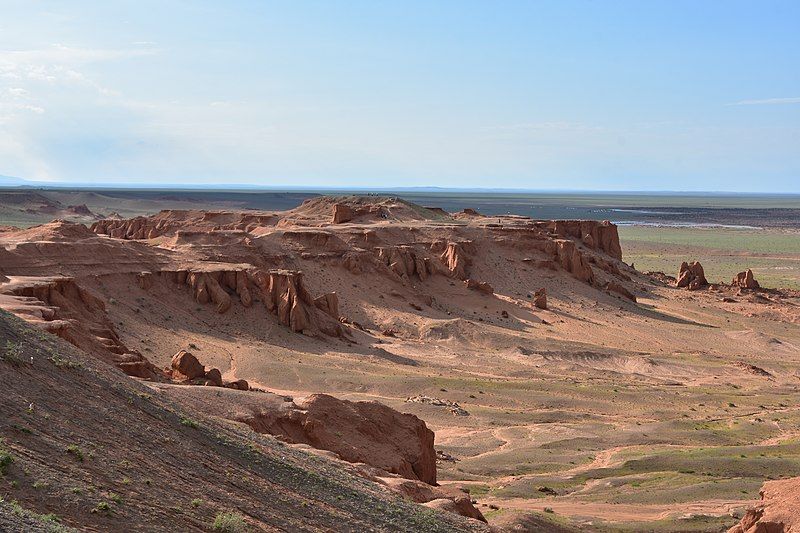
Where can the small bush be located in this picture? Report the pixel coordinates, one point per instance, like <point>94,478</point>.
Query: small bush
<point>197,502</point>
<point>188,422</point>
<point>103,507</point>
<point>60,362</point>
<point>74,450</point>
<point>5,461</point>
<point>12,353</point>
<point>230,523</point>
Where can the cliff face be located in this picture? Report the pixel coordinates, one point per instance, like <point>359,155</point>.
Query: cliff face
<point>602,236</point>
<point>62,307</point>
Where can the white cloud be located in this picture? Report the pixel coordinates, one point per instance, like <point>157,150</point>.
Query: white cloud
<point>769,101</point>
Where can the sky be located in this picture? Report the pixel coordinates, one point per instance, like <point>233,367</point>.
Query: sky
<point>563,94</point>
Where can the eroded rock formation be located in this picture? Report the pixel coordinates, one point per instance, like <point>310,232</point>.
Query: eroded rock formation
<point>602,236</point>
<point>572,260</point>
<point>778,512</point>
<point>456,257</point>
<point>359,432</point>
<point>342,213</point>
<point>745,280</point>
<point>406,262</point>
<point>62,307</point>
<point>692,276</point>
<point>480,286</point>
<point>617,288</point>
<point>540,298</point>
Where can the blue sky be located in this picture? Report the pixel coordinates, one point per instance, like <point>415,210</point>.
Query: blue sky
<point>639,95</point>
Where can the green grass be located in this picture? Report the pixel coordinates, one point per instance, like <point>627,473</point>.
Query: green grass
<point>773,255</point>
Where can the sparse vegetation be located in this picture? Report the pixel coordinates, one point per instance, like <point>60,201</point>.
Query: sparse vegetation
<point>197,502</point>
<point>12,353</point>
<point>188,422</point>
<point>61,362</point>
<point>102,507</point>
<point>230,522</point>
<point>74,450</point>
<point>5,460</point>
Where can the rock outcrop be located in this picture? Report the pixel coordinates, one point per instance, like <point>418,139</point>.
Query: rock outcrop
<point>778,512</point>
<point>617,288</point>
<point>175,221</point>
<point>456,257</point>
<point>540,298</point>
<point>285,295</point>
<point>602,236</point>
<point>187,369</point>
<point>406,261</point>
<point>571,259</point>
<point>745,280</point>
<point>359,432</point>
<point>691,276</point>
<point>480,286</point>
<point>62,307</point>
<point>210,285</point>
<point>450,499</point>
<point>342,213</point>
<point>282,291</point>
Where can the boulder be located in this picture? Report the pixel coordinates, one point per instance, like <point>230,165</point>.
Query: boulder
<point>691,276</point>
<point>186,367</point>
<point>359,432</point>
<point>239,384</point>
<point>745,280</point>
<point>540,298</point>
<point>213,376</point>
<point>481,286</point>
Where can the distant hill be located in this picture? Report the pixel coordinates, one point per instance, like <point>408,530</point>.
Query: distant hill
<point>11,181</point>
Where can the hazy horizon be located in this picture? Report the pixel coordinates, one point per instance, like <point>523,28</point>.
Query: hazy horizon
<point>536,96</point>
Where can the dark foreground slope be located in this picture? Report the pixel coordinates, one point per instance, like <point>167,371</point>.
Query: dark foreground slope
<point>85,446</point>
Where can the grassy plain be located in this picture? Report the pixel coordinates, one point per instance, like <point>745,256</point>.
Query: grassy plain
<point>773,254</point>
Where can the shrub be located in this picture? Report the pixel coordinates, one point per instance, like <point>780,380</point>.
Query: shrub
<point>74,450</point>
<point>188,422</point>
<point>5,461</point>
<point>230,523</point>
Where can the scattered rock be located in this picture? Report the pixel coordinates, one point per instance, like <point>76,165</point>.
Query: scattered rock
<point>453,407</point>
<point>753,369</point>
